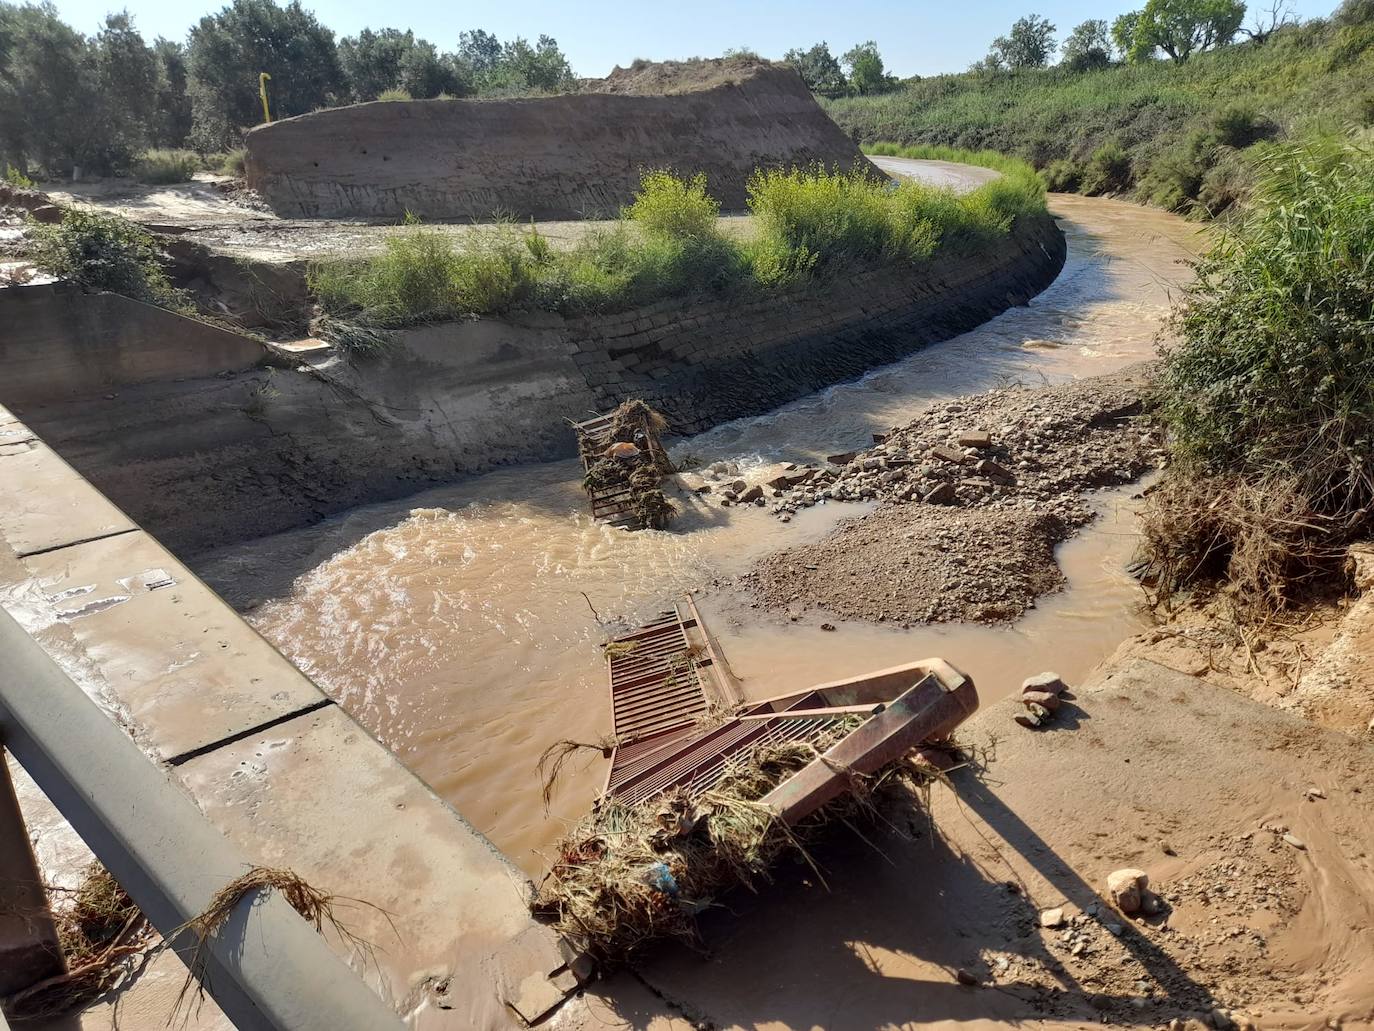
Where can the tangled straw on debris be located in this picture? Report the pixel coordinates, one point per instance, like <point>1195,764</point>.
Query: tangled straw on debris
<point>632,874</point>
<point>634,422</point>
<point>103,935</point>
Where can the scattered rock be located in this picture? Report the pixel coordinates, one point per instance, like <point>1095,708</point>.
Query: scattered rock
<point>975,438</point>
<point>844,458</point>
<point>945,453</point>
<point>1314,793</point>
<point>1296,842</point>
<point>1052,917</point>
<point>964,977</point>
<point>829,627</point>
<point>944,494</point>
<point>1029,720</point>
<point>739,486</point>
<point>1126,887</point>
<point>751,496</point>
<point>1045,699</point>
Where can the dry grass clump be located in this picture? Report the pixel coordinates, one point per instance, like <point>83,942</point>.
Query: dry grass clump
<point>629,875</point>
<point>100,930</point>
<point>1262,538</point>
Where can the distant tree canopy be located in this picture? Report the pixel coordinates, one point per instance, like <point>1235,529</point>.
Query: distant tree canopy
<point>1089,45</point>
<point>67,100</point>
<point>1179,28</point>
<point>1029,44</point>
<point>866,72</point>
<point>97,102</point>
<point>819,69</point>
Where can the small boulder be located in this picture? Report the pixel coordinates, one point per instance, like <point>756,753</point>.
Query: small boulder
<point>945,453</point>
<point>1048,682</point>
<point>1126,888</point>
<point>1052,917</point>
<point>752,495</point>
<point>944,494</point>
<point>843,458</point>
<point>964,977</point>
<point>1045,699</point>
<point>739,486</point>
<point>975,438</point>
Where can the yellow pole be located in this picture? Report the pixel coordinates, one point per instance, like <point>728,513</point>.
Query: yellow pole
<point>262,92</point>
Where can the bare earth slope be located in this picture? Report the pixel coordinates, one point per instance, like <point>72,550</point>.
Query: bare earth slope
<point>572,156</point>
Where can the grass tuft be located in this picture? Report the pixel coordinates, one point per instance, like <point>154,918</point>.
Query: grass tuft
<point>161,166</point>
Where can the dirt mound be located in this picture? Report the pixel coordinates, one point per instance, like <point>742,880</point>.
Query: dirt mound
<point>563,157</point>
<point>973,496</point>
<point>661,78</point>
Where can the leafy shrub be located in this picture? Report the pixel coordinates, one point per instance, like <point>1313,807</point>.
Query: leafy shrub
<point>668,206</point>
<point>1225,185</point>
<point>394,94</point>
<point>103,252</point>
<point>1108,170</point>
<point>1273,383</point>
<point>1239,126</point>
<point>233,162</point>
<point>1062,176</point>
<point>160,167</point>
<point>17,178</point>
<point>410,282</point>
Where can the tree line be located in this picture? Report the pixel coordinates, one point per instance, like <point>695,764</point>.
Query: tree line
<point>95,102</point>
<point>1177,29</point>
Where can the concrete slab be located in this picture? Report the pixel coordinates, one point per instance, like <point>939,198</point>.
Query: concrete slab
<point>319,795</point>
<point>181,663</point>
<point>45,504</point>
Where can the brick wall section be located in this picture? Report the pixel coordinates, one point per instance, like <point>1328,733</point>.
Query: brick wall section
<point>707,361</point>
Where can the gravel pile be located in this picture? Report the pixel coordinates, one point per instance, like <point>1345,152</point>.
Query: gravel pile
<point>973,496</point>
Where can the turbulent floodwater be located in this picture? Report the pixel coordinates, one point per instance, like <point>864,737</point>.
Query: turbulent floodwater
<point>454,624</point>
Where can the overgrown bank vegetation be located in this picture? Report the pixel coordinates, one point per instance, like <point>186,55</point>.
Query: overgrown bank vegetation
<point>1270,395</point>
<point>1169,133</point>
<point>669,243</point>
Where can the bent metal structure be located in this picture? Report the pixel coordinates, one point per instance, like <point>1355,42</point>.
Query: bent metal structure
<point>572,156</point>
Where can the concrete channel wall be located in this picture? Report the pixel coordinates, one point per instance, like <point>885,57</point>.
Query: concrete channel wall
<point>225,453</point>
<point>560,157</point>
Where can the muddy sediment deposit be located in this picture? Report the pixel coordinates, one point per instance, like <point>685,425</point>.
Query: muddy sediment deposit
<point>973,496</point>
<point>577,155</point>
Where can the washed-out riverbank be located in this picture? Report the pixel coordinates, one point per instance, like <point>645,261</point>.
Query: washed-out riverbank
<point>453,623</point>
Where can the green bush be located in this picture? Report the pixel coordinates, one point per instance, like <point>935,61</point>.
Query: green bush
<point>17,178</point>
<point>103,252</point>
<point>233,162</point>
<point>1239,126</point>
<point>160,166</point>
<point>1062,176</point>
<point>1275,373</point>
<point>667,205</point>
<point>1107,171</point>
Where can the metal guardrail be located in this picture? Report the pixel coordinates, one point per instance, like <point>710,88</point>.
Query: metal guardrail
<point>268,969</point>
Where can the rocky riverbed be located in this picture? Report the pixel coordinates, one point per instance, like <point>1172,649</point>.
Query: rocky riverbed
<point>972,496</point>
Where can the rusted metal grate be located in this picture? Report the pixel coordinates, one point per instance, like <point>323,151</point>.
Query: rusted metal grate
<point>613,505</point>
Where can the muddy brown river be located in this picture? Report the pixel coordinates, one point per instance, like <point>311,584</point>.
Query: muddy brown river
<point>454,625</point>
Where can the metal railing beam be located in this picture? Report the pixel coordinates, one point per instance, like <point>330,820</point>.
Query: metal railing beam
<point>268,969</point>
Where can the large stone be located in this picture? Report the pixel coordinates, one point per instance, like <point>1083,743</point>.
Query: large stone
<point>1127,887</point>
<point>1046,699</point>
<point>751,496</point>
<point>1047,682</point>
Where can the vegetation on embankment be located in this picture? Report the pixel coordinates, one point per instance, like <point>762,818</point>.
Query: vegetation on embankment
<point>668,243</point>
<point>1169,133</point>
<point>1269,396</point>
<point>104,252</point>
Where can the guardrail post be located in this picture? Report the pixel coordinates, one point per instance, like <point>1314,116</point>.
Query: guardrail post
<point>28,938</point>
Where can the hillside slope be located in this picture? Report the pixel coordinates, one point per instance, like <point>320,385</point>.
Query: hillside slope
<point>1177,123</point>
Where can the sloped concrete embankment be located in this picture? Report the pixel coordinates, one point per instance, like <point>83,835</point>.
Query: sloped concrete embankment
<point>221,453</point>
<point>574,156</point>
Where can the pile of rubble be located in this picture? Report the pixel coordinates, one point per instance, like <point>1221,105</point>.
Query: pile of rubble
<point>1014,447</point>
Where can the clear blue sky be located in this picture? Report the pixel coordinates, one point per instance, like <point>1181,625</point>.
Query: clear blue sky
<point>921,37</point>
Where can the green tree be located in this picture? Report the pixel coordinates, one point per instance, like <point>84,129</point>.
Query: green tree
<point>480,51</point>
<point>1123,32</point>
<point>1181,28</point>
<point>227,51</point>
<point>866,72</point>
<point>172,121</point>
<point>371,61</point>
<point>541,67</point>
<point>126,77</point>
<point>1089,45</point>
<point>818,68</point>
<point>47,88</point>
<point>1029,44</point>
